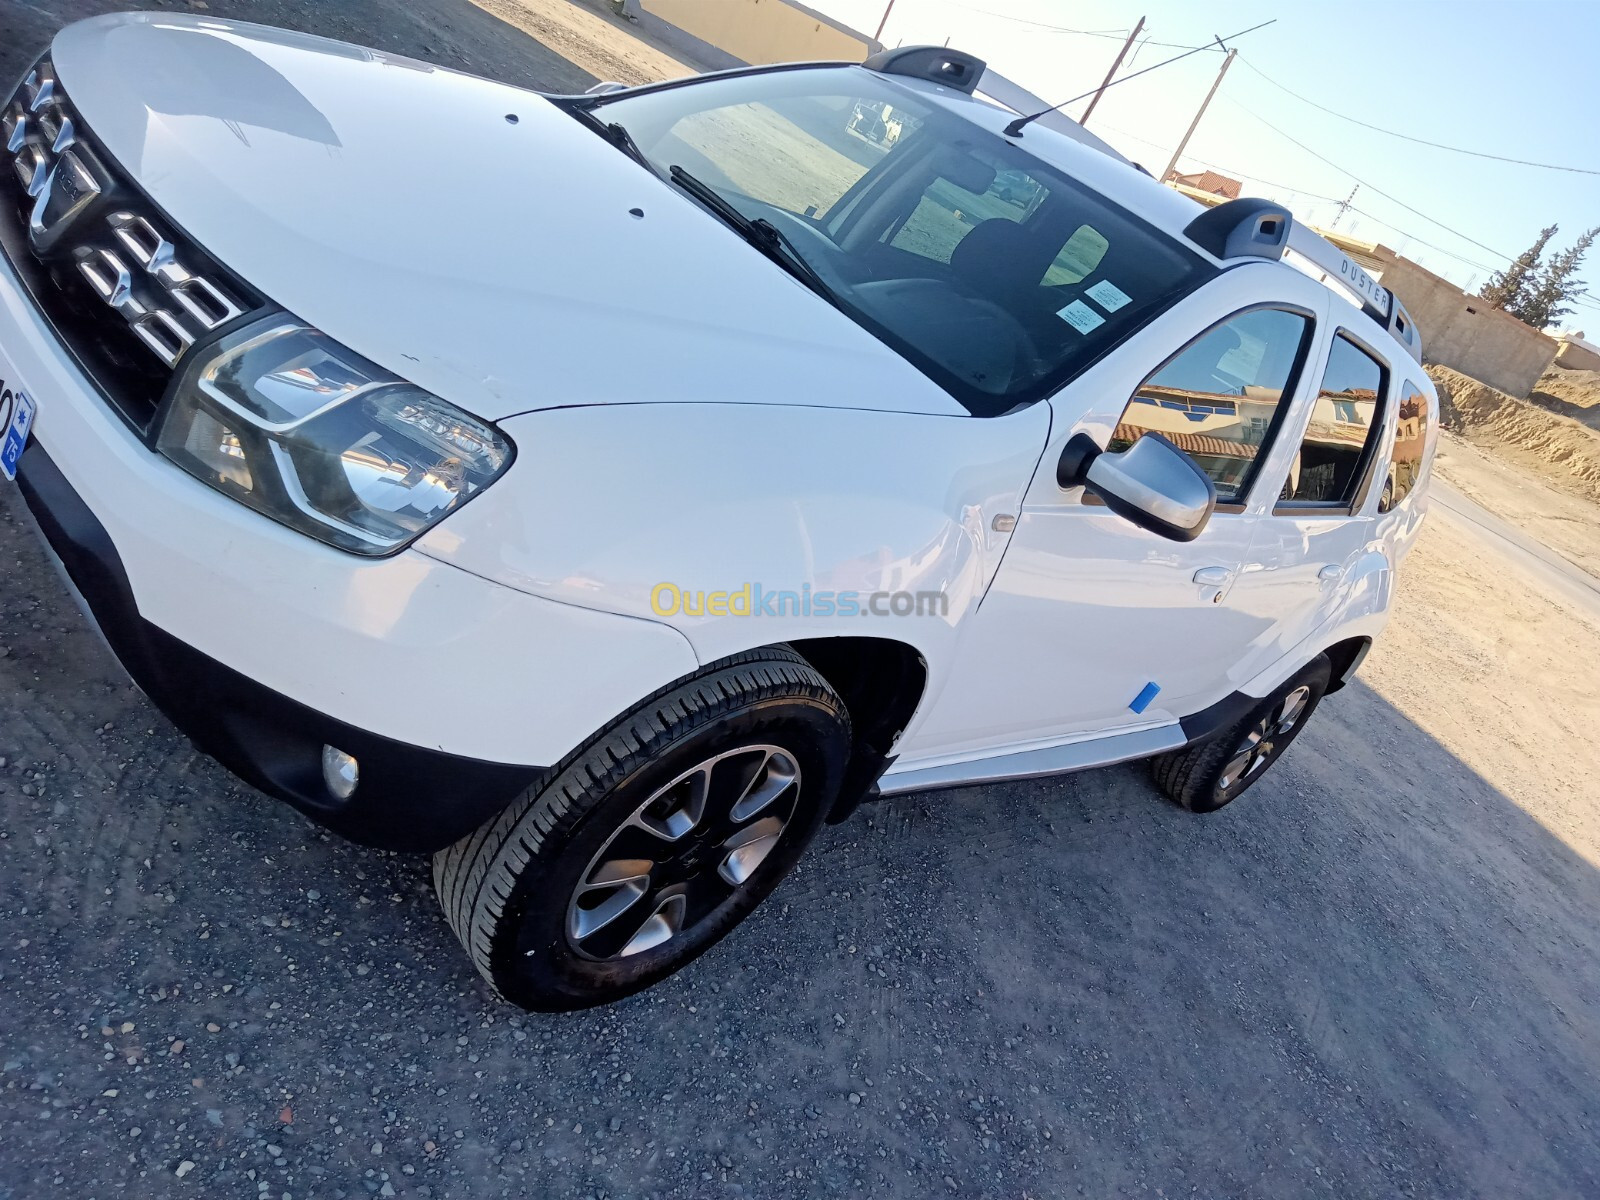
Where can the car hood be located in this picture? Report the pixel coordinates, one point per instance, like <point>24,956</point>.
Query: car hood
<point>466,235</point>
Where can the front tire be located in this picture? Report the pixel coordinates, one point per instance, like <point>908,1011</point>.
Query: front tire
<point>653,839</point>
<point>1216,772</point>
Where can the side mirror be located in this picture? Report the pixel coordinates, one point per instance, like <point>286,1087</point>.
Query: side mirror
<point>1152,483</point>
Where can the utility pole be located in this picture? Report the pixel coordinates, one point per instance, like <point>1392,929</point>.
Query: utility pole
<point>1183,145</point>
<point>1343,204</point>
<point>1106,82</point>
<point>878,37</point>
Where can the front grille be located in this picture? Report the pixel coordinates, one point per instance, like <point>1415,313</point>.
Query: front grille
<point>126,291</point>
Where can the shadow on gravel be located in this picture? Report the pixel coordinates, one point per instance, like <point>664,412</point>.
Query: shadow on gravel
<point>1374,975</point>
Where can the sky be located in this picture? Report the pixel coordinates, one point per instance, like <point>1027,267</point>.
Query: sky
<point>1515,78</point>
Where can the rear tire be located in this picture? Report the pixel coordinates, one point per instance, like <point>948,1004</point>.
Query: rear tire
<point>652,840</point>
<point>1216,772</point>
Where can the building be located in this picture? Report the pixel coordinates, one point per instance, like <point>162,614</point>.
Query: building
<point>1211,183</point>
<point>1577,354</point>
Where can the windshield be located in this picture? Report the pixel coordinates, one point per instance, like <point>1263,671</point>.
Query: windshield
<point>995,274</point>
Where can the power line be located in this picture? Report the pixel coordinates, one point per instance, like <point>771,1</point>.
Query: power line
<point>1230,170</point>
<point>1405,137</point>
<point>1333,112</point>
<point>1583,301</point>
<point>1300,191</point>
<point>1042,24</point>
<point>1048,27</point>
<point>1423,241</point>
<point>1016,127</point>
<point>1374,187</point>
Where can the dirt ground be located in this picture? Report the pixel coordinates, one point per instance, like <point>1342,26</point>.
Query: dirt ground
<point>1566,522</point>
<point>1552,445</point>
<point>1379,975</point>
<point>1572,393</point>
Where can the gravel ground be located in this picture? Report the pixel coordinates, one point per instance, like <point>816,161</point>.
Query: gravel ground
<point>1377,976</point>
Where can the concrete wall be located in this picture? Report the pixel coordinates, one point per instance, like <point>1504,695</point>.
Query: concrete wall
<point>1462,332</point>
<point>1578,356</point>
<point>751,32</point>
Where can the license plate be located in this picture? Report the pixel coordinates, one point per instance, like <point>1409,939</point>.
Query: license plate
<point>16,418</point>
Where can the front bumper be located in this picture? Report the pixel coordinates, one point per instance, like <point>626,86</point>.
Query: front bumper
<point>409,798</point>
<point>453,692</point>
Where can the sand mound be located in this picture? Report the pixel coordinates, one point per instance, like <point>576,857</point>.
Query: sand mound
<point>1556,447</point>
<point>1574,394</point>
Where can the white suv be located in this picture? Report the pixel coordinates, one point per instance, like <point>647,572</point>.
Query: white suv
<point>602,492</point>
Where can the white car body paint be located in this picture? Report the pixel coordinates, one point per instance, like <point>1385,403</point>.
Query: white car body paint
<point>787,499</point>
<point>366,642</point>
<point>684,412</point>
<point>391,204</point>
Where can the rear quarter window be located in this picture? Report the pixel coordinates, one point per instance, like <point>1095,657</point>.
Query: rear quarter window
<point>1412,419</point>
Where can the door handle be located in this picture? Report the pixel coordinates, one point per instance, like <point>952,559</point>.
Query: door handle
<point>1331,571</point>
<point>1213,576</point>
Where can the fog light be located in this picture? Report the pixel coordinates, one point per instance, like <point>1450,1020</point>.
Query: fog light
<point>340,772</point>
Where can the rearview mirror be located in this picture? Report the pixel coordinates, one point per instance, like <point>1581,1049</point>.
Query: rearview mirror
<point>1152,483</point>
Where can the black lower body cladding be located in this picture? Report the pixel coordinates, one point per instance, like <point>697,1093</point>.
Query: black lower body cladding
<point>408,798</point>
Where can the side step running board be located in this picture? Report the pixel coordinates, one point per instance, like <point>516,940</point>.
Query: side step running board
<point>1033,764</point>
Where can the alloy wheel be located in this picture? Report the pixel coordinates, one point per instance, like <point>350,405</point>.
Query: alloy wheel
<point>1264,739</point>
<point>683,852</point>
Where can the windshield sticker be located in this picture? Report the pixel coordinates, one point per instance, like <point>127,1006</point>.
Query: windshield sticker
<point>1108,295</point>
<point>1081,317</point>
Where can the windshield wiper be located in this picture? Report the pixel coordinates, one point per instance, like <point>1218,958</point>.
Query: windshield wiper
<point>758,231</point>
<point>619,137</point>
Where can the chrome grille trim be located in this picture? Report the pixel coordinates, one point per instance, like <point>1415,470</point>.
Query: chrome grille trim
<point>64,136</point>
<point>162,293</point>
<point>113,282</point>
<point>15,127</point>
<point>84,238</point>
<point>159,257</point>
<point>69,188</point>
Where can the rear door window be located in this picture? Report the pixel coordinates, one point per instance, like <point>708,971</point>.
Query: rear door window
<point>1346,419</point>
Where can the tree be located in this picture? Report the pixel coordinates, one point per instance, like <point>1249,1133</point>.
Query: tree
<point>1544,301</point>
<point>1508,287</point>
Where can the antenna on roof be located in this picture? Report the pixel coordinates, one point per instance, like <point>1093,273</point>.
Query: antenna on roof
<point>1016,127</point>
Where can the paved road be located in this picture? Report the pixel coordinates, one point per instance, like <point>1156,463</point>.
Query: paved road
<point>1377,978</point>
<point>1558,575</point>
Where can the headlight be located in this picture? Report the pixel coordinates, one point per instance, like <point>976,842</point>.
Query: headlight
<point>286,420</point>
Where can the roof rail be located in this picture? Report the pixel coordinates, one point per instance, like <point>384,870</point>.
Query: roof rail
<point>936,64</point>
<point>1244,228</point>
<point>1251,228</point>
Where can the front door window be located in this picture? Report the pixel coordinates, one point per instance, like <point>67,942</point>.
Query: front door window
<point>1219,399</point>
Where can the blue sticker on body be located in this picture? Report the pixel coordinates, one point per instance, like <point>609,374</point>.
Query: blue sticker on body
<point>1142,700</point>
